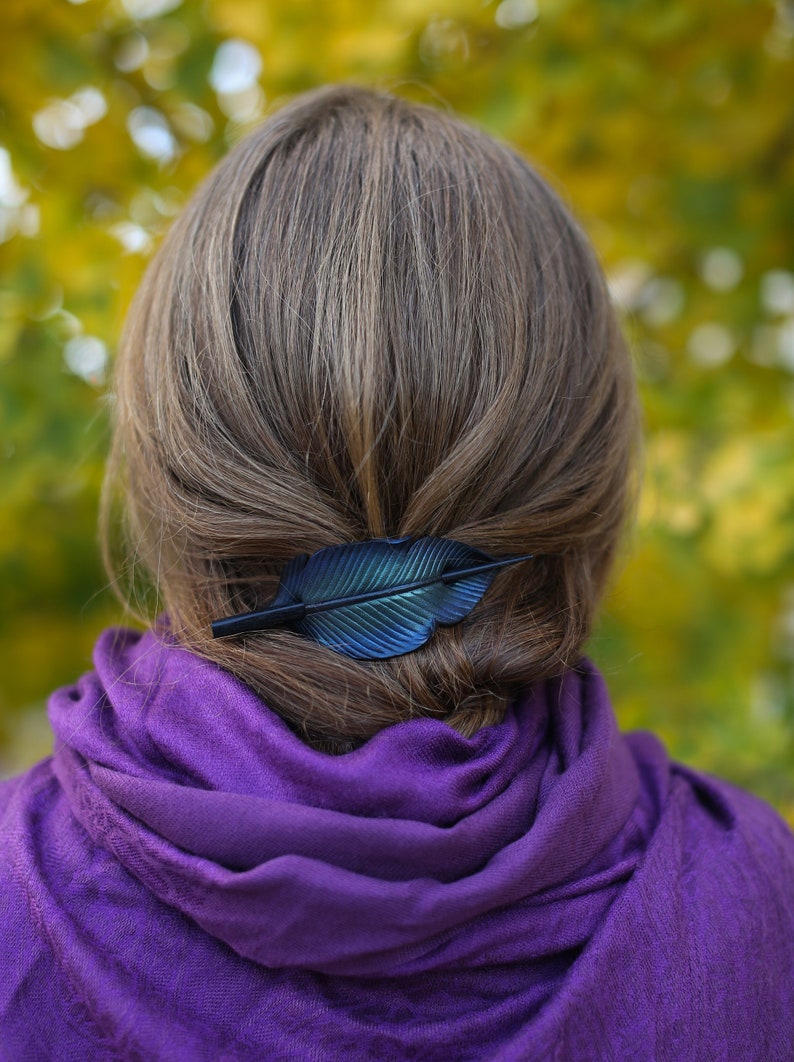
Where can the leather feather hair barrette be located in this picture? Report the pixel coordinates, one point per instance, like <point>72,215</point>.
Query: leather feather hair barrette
<point>377,599</point>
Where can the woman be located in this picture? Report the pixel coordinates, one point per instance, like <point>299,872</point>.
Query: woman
<point>372,331</point>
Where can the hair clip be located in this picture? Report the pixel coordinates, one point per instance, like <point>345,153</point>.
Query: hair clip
<point>376,599</point>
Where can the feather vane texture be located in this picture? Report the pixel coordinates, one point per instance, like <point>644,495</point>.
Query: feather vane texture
<point>377,599</point>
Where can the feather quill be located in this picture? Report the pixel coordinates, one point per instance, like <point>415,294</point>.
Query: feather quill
<point>377,599</point>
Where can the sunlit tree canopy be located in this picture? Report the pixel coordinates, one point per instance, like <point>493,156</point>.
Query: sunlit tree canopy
<point>669,128</point>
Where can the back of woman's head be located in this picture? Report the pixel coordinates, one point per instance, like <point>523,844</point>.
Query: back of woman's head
<point>374,320</point>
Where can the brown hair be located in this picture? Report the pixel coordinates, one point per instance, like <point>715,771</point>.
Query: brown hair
<point>375,320</point>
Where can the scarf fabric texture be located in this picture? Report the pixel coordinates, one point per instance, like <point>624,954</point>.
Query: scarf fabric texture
<point>185,880</point>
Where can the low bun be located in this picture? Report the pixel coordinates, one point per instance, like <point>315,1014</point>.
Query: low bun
<point>373,320</point>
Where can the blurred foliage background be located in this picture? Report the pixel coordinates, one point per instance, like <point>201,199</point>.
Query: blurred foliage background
<point>669,127</point>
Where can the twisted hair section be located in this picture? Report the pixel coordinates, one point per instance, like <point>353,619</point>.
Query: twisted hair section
<point>374,320</point>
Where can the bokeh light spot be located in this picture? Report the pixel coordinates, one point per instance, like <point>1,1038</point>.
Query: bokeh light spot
<point>721,268</point>
<point>87,357</point>
<point>192,122</point>
<point>132,53</point>
<point>61,123</point>
<point>512,14</point>
<point>710,345</point>
<point>662,301</point>
<point>151,134</point>
<point>145,9</point>
<point>235,68</point>
<point>443,38</point>
<point>16,214</point>
<point>785,343</point>
<point>626,281</point>
<point>777,291</point>
<point>133,237</point>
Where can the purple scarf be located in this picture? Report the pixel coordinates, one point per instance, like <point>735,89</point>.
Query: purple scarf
<point>186,880</point>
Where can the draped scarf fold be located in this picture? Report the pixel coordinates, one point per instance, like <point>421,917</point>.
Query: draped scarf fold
<point>191,879</point>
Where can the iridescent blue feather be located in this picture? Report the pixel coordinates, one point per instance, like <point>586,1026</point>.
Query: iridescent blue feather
<point>376,599</point>
<point>388,626</point>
